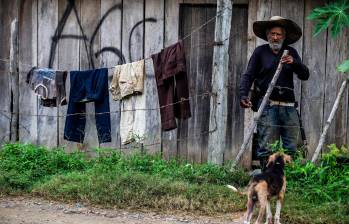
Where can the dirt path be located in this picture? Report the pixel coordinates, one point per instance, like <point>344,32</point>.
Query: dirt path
<point>24,210</point>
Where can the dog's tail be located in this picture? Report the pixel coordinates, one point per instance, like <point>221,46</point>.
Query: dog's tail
<point>235,189</point>
<point>232,188</point>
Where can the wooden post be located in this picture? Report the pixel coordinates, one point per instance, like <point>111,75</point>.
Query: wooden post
<point>14,79</point>
<point>260,110</point>
<point>218,104</point>
<point>329,121</point>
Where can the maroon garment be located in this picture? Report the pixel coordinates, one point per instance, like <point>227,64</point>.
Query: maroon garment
<point>172,83</point>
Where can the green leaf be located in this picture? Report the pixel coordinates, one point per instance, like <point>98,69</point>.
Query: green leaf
<point>334,15</point>
<point>344,67</point>
<point>322,25</point>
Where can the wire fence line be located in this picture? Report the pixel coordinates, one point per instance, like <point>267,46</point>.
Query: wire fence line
<point>305,100</point>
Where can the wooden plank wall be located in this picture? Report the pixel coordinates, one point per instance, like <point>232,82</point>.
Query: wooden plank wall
<point>8,13</point>
<point>93,32</point>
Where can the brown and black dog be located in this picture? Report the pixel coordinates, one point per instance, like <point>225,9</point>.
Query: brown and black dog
<point>263,186</point>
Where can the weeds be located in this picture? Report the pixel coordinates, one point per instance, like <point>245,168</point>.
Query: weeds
<point>315,194</point>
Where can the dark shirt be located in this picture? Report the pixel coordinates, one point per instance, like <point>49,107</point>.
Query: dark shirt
<point>261,69</point>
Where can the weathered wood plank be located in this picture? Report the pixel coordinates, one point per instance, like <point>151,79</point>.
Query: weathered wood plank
<point>314,56</point>
<point>185,27</point>
<point>218,104</point>
<point>294,10</point>
<point>200,82</point>
<point>214,2</point>
<point>169,138</point>
<point>237,64</point>
<point>204,100</point>
<point>133,50</point>
<point>154,42</point>
<point>68,59</point>
<point>47,21</point>
<point>27,56</point>
<point>90,16</point>
<point>7,16</point>
<point>251,45</point>
<point>197,38</point>
<point>339,51</point>
<point>111,34</point>
<point>14,80</point>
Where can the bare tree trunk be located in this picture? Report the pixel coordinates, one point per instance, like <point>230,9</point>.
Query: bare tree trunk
<point>329,121</point>
<point>218,104</point>
<point>260,110</point>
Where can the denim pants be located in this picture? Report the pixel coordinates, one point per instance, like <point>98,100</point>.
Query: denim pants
<point>88,86</point>
<point>278,122</point>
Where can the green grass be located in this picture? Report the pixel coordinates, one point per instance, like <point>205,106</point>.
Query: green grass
<point>315,194</point>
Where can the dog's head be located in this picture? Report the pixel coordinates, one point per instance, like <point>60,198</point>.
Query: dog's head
<point>279,159</point>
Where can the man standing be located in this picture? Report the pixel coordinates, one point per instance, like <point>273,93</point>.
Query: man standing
<point>279,118</point>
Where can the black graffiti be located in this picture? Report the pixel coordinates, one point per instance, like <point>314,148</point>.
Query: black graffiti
<point>88,42</point>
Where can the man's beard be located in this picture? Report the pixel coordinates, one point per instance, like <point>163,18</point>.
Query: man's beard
<point>275,46</point>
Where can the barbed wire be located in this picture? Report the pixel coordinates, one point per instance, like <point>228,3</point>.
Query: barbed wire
<point>112,112</point>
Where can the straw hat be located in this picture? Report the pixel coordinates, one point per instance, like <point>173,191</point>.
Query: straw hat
<point>293,31</point>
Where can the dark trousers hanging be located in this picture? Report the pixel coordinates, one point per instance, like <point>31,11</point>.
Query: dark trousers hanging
<point>88,86</point>
<point>172,85</point>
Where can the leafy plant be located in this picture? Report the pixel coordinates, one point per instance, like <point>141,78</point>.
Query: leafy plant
<point>328,182</point>
<point>335,16</point>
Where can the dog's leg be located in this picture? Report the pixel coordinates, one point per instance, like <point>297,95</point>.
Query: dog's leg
<point>277,212</point>
<point>279,201</point>
<point>263,203</point>
<point>249,212</point>
<point>250,206</point>
<point>269,219</point>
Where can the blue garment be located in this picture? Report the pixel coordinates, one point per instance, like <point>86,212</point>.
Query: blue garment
<point>88,86</point>
<point>278,122</point>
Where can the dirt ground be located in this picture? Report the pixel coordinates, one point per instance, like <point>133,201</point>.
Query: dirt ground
<point>26,210</point>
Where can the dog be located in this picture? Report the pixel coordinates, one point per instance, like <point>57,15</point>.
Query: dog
<point>263,186</point>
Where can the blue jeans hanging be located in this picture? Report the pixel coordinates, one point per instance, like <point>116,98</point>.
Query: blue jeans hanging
<point>88,86</point>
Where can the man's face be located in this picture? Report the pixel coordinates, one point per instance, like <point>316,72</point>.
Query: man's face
<point>276,37</point>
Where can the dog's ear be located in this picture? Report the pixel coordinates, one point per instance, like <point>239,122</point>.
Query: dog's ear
<point>287,158</point>
<point>271,159</point>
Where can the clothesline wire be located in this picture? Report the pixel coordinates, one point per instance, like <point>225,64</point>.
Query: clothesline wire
<point>219,13</point>
<point>112,112</point>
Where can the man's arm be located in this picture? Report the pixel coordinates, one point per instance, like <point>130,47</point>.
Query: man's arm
<point>247,79</point>
<point>299,68</point>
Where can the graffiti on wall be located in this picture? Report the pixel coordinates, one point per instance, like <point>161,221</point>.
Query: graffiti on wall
<point>88,41</point>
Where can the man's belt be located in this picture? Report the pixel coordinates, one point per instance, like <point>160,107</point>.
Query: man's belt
<point>280,103</point>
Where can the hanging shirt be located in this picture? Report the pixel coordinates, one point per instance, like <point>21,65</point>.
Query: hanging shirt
<point>49,84</point>
<point>127,83</point>
<point>128,79</point>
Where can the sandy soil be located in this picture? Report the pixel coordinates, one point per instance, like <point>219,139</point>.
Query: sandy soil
<point>26,210</point>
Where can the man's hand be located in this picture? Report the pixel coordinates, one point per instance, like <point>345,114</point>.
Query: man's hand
<point>245,103</point>
<point>287,59</point>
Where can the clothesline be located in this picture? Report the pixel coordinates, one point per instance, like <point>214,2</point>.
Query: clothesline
<point>111,112</point>
<point>149,57</point>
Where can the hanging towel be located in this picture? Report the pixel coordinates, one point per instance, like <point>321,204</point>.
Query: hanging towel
<point>172,84</point>
<point>49,84</point>
<point>88,86</point>
<point>127,83</point>
<point>128,79</point>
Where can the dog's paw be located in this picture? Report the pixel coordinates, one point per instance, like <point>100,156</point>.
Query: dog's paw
<point>269,221</point>
<point>277,221</point>
<point>247,222</point>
